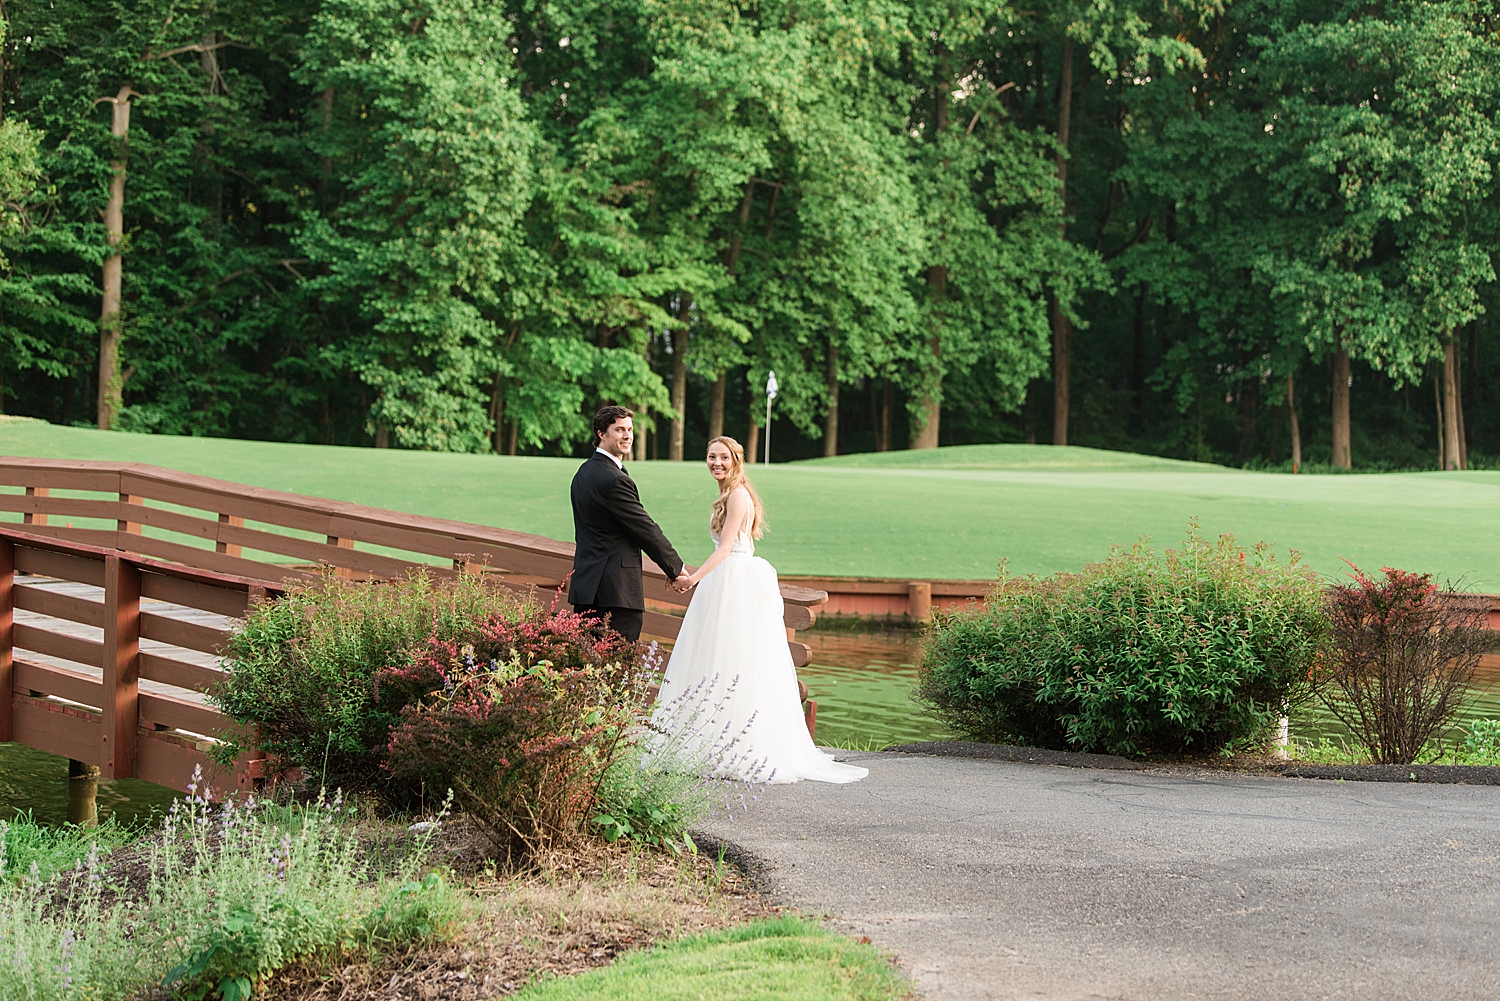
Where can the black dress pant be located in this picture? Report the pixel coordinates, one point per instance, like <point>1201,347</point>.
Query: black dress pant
<point>625,621</point>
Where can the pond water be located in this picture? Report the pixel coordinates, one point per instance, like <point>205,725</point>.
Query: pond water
<point>37,782</point>
<point>861,679</point>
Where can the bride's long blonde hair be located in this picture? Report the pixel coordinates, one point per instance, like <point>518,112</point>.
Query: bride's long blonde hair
<point>727,486</point>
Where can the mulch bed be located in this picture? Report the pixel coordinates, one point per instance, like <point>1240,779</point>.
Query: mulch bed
<point>1028,755</point>
<point>568,916</point>
<point>1474,775</point>
<point>1260,764</point>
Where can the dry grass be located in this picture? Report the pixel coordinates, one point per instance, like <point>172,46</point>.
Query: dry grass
<point>567,915</point>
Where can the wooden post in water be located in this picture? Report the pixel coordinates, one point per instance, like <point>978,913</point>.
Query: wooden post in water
<point>919,601</point>
<point>83,792</point>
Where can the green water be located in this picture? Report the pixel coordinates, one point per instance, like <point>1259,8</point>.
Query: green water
<point>862,682</point>
<point>37,782</point>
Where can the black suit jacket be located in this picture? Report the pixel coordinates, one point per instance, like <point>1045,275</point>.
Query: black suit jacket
<point>610,528</point>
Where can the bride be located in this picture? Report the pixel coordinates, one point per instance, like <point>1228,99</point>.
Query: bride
<point>732,651</point>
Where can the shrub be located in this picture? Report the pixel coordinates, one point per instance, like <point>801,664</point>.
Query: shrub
<point>1401,656</point>
<point>1197,649</point>
<point>222,897</point>
<point>301,671</point>
<point>1481,744</point>
<point>521,720</point>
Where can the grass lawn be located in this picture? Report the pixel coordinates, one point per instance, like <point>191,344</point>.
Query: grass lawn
<point>946,513</point>
<point>783,959</point>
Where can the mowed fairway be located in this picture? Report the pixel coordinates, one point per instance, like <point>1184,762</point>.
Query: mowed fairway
<point>950,513</point>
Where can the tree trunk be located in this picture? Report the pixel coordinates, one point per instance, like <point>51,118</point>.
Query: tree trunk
<point>1452,453</point>
<point>1062,374</point>
<point>1062,327</point>
<point>111,389</point>
<point>497,413</point>
<point>208,62</point>
<point>716,406</point>
<point>752,438</point>
<point>732,252</point>
<point>1138,361</point>
<point>883,431</point>
<point>926,436</point>
<point>1458,401</point>
<point>638,451</point>
<point>1437,404</point>
<point>510,440</point>
<point>831,419</point>
<point>1249,412</point>
<point>1341,457</point>
<point>1291,414</point>
<point>679,393</point>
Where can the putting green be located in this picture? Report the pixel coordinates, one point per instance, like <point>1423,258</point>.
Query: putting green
<point>948,513</point>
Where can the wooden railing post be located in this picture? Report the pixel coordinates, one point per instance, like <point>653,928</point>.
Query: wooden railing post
<point>7,637</point>
<point>36,519</point>
<point>125,525</point>
<point>334,540</point>
<point>122,666</point>
<point>229,548</point>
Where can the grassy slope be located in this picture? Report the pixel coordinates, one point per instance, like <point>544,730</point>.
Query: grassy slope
<point>786,959</point>
<point>949,513</point>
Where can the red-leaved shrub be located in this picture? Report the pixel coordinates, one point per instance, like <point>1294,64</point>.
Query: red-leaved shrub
<point>520,720</point>
<point>1400,658</point>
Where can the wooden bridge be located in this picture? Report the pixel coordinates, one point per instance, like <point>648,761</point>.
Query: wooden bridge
<point>120,583</point>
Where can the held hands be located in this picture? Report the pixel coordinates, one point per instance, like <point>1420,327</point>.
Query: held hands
<point>682,584</point>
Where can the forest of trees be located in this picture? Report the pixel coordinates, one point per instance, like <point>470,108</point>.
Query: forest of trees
<point>1228,231</point>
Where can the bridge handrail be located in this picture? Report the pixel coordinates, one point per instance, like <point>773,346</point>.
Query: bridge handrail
<point>238,515</point>
<point>111,722</point>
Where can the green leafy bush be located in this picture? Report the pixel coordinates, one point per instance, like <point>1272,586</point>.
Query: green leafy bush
<point>300,673</point>
<point>1481,745</point>
<point>1197,649</point>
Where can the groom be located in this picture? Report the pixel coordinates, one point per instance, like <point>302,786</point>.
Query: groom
<point>610,528</point>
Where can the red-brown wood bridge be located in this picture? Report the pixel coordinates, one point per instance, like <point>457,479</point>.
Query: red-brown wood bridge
<point>121,582</point>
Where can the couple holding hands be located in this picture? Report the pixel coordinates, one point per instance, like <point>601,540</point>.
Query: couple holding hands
<point>732,646</point>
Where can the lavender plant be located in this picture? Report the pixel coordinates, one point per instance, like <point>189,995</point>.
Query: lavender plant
<point>226,894</point>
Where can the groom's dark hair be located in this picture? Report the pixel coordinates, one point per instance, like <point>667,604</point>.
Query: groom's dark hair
<point>606,418</point>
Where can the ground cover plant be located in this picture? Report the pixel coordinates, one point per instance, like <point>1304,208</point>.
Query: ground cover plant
<point>210,904</point>
<point>918,519</point>
<point>32,851</point>
<point>1198,649</point>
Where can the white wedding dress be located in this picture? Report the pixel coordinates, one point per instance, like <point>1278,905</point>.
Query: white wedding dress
<point>730,688</point>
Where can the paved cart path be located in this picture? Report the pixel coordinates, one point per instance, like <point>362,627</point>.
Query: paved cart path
<point>996,880</point>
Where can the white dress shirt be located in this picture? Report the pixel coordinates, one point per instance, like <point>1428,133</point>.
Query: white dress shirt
<point>612,457</point>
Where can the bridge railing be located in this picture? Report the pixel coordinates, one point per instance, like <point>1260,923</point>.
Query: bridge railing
<point>66,692</point>
<point>271,535</point>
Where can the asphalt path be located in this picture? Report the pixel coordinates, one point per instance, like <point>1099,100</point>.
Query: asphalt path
<point>999,880</point>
